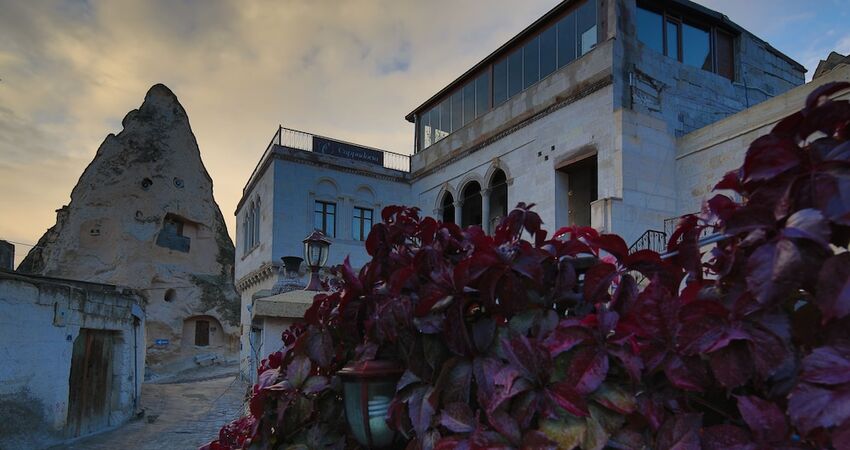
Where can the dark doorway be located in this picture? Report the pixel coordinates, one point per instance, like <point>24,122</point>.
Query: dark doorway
<point>471,209</point>
<point>498,198</point>
<point>581,189</point>
<point>90,382</point>
<point>448,208</point>
<point>202,333</point>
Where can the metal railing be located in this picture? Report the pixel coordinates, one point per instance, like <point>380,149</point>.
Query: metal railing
<point>300,140</point>
<point>650,240</point>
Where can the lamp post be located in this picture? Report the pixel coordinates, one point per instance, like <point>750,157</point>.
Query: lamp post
<point>316,248</point>
<point>368,388</point>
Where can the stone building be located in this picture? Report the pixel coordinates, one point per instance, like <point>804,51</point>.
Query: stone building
<point>73,357</point>
<point>143,215</point>
<point>619,114</point>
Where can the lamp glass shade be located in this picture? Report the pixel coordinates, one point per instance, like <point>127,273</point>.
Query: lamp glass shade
<point>316,253</point>
<point>378,395</point>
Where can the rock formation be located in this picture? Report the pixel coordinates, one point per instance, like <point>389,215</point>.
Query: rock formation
<point>143,216</point>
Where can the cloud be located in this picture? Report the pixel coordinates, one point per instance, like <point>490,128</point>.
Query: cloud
<point>71,69</point>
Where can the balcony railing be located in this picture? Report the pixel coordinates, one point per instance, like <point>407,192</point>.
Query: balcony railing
<point>300,140</point>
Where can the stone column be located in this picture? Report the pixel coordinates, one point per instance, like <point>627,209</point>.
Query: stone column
<point>458,211</point>
<point>485,210</point>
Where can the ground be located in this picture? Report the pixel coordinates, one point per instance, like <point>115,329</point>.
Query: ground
<point>178,415</point>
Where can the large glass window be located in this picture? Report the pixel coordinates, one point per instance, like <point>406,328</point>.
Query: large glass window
<point>457,110</point>
<point>482,94</point>
<point>468,102</point>
<point>586,25</point>
<point>566,40</point>
<point>361,223</point>
<point>500,82</point>
<point>542,53</point>
<point>681,39</point>
<point>696,47</point>
<point>445,120</point>
<point>324,217</point>
<point>672,39</point>
<point>531,63</point>
<point>649,29</point>
<point>548,55</point>
<point>514,72</point>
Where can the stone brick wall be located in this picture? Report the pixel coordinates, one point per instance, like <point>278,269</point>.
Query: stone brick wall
<point>39,320</point>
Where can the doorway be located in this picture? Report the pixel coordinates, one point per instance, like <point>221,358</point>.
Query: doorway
<point>90,382</point>
<point>577,188</point>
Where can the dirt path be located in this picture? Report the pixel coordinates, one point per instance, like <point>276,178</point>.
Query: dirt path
<point>178,416</point>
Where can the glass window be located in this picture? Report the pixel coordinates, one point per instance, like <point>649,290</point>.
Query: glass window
<point>457,110</point>
<point>482,94</point>
<point>514,72</point>
<point>324,217</point>
<point>649,29</point>
<point>469,102</point>
<point>425,130</point>
<point>361,223</point>
<point>566,40</point>
<point>445,120</point>
<point>531,63</point>
<point>586,25</point>
<point>500,82</point>
<point>725,49</point>
<point>673,40</point>
<point>548,45</point>
<point>434,123</point>
<point>696,47</point>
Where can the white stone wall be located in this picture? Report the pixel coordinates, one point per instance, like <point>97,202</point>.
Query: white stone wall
<point>704,156</point>
<point>39,321</point>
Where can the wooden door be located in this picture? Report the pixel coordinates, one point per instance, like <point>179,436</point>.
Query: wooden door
<point>90,382</point>
<point>202,333</point>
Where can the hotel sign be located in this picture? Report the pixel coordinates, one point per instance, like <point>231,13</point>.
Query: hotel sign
<point>348,151</point>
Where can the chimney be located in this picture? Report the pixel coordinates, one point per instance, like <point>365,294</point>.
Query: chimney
<point>7,256</point>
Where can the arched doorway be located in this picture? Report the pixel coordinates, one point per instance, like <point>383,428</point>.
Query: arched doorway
<point>498,198</point>
<point>471,213</point>
<point>447,207</point>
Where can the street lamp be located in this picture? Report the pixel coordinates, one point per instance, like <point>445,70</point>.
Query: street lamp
<point>368,388</point>
<point>316,247</point>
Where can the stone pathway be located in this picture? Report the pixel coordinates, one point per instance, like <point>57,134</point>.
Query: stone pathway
<point>178,416</point>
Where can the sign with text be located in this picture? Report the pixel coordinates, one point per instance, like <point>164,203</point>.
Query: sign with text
<point>161,342</point>
<point>348,151</point>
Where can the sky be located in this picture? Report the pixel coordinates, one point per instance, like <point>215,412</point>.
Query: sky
<point>351,69</point>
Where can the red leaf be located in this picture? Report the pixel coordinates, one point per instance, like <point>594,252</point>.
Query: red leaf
<point>813,406</point>
<point>727,437</point>
<point>765,418</point>
<point>833,294</point>
<point>680,432</point>
<point>564,395</point>
<point>587,369</point>
<point>597,281</point>
<point>420,409</point>
<point>769,156</point>
<point>808,224</point>
<point>458,418</point>
<point>611,243</point>
<point>732,366</point>
<point>565,338</point>
<point>827,365</point>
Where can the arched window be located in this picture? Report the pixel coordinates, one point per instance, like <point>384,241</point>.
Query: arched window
<point>250,240</point>
<point>498,198</point>
<point>447,208</point>
<point>471,210</point>
<point>257,216</point>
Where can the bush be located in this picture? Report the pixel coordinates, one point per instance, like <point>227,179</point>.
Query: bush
<point>514,343</point>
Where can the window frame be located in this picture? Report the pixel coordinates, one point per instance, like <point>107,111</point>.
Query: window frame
<point>360,220</point>
<point>324,212</point>
<point>682,18</point>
